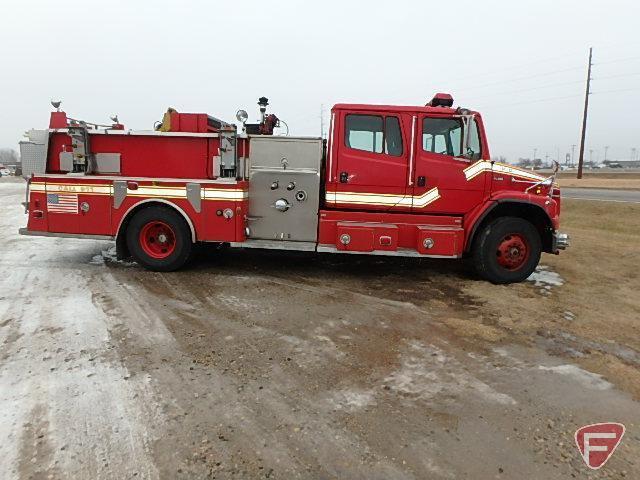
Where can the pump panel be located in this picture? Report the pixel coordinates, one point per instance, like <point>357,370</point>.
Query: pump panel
<point>284,187</point>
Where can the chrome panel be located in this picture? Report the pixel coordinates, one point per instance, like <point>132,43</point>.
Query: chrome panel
<point>119,192</point>
<point>33,153</point>
<point>194,196</point>
<point>275,163</point>
<point>107,162</point>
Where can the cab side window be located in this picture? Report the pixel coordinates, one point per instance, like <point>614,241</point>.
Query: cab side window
<point>373,133</point>
<point>442,136</point>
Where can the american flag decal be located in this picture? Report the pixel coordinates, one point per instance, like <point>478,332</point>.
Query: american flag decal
<point>62,203</point>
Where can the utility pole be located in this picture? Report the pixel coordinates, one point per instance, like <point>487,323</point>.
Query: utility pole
<point>584,116</point>
<point>573,149</point>
<point>605,153</point>
<point>535,150</point>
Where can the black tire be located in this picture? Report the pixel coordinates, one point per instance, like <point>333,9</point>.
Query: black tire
<point>150,248</point>
<point>522,242</point>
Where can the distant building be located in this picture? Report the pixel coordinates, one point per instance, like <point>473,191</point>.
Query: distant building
<point>624,163</point>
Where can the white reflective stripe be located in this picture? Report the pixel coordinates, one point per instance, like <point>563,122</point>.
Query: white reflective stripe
<point>476,169</point>
<point>142,191</point>
<point>518,172</point>
<point>412,149</point>
<point>486,166</point>
<point>427,198</point>
<point>363,198</point>
<point>224,194</point>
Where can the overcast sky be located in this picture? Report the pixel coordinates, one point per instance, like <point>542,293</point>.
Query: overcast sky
<point>522,64</point>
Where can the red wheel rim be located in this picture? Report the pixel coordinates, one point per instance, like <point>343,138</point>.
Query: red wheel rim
<point>513,251</point>
<point>157,239</point>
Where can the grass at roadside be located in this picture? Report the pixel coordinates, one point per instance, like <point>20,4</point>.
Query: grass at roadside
<point>595,316</point>
<point>615,183</point>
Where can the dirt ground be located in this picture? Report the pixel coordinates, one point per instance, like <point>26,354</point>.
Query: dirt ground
<point>269,365</point>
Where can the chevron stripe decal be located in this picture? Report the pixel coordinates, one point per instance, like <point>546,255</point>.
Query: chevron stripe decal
<point>383,199</point>
<point>485,166</point>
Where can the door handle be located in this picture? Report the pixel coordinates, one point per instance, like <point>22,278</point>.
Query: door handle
<point>422,181</point>
<point>344,177</point>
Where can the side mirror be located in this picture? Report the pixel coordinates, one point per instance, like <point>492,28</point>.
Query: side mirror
<point>467,122</point>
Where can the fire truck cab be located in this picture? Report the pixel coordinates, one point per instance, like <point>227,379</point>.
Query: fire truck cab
<point>390,180</point>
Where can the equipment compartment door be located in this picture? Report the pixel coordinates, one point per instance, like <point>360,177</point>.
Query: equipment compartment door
<point>371,171</point>
<point>81,207</point>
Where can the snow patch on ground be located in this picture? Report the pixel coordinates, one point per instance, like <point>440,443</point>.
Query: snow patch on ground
<point>426,372</point>
<point>545,279</point>
<point>585,378</point>
<point>110,256</point>
<point>78,386</point>
<point>351,400</point>
<point>59,371</point>
<point>307,352</point>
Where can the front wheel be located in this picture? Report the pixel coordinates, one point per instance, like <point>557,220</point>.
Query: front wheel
<point>159,239</point>
<point>507,250</point>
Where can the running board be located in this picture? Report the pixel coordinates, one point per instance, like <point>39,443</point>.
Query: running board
<point>35,233</point>
<point>276,245</point>
<point>400,252</point>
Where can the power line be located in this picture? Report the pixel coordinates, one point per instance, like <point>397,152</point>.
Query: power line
<point>618,60</point>
<point>615,91</point>
<point>516,67</point>
<point>618,76</point>
<point>541,100</point>
<point>537,75</point>
<point>507,69</point>
<point>536,88</point>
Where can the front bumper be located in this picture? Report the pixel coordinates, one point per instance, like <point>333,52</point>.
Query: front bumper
<point>560,241</point>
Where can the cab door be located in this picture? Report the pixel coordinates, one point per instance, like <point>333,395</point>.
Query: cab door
<point>444,149</point>
<point>371,171</point>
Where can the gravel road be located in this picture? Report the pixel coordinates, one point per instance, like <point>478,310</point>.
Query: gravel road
<point>269,365</point>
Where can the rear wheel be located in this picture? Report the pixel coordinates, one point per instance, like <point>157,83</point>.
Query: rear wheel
<point>159,239</point>
<point>507,250</point>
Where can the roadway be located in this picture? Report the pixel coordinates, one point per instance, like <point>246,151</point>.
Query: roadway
<point>602,194</point>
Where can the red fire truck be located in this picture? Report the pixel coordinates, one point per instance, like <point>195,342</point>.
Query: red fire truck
<point>389,180</point>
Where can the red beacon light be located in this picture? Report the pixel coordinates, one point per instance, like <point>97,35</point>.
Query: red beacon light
<point>441,100</point>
